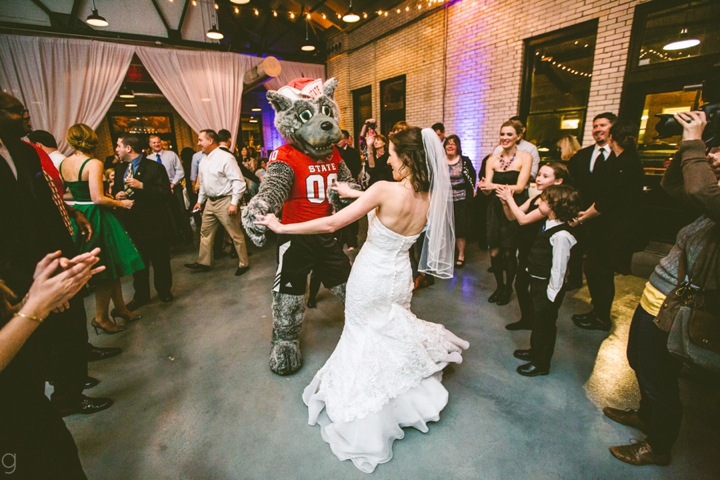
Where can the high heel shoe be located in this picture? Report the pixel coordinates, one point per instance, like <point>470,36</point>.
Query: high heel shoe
<point>128,318</point>
<point>109,331</point>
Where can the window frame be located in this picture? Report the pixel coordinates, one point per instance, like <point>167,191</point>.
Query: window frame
<point>533,44</point>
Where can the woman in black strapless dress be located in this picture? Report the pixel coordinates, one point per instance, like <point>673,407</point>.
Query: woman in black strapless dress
<point>511,167</point>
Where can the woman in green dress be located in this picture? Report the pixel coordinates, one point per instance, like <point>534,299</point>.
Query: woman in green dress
<point>83,175</point>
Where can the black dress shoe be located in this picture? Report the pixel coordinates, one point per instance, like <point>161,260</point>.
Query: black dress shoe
<point>505,296</point>
<point>523,355</point>
<point>519,325</point>
<point>134,304</point>
<point>593,323</point>
<point>85,406</point>
<point>97,353</point>
<point>583,316</point>
<point>532,370</point>
<point>167,297</point>
<point>496,294</point>
<point>89,383</point>
<point>241,271</point>
<point>198,266</point>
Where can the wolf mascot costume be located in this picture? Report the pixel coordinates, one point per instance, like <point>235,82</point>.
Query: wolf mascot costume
<point>297,180</point>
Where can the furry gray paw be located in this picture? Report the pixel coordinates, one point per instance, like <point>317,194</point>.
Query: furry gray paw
<point>255,232</point>
<point>285,357</point>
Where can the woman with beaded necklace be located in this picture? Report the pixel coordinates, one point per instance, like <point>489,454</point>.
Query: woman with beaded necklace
<point>509,167</point>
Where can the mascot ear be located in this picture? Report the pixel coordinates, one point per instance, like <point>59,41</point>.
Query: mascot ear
<point>329,88</point>
<point>278,101</point>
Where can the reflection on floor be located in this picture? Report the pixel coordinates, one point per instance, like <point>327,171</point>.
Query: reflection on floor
<point>195,397</point>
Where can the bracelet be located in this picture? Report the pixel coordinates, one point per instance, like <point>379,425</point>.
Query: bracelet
<point>30,317</point>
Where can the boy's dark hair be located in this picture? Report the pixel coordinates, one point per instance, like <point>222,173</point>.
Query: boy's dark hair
<point>41,136</point>
<point>607,115</point>
<point>345,133</point>
<point>438,126</point>
<point>625,134</point>
<point>224,135</point>
<point>563,200</point>
<point>133,141</point>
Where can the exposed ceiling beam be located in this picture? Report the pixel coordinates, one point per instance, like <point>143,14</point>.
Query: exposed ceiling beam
<point>294,26</point>
<point>162,17</point>
<point>181,23</point>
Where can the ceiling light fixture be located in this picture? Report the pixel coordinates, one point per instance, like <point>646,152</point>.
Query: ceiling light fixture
<point>95,19</point>
<point>307,46</point>
<point>350,16</point>
<point>125,92</point>
<point>214,33</point>
<point>682,41</point>
<point>131,105</point>
<point>240,2</point>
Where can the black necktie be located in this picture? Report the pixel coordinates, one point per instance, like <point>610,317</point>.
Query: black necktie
<point>600,160</point>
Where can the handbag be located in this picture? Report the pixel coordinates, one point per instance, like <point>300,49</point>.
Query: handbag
<point>695,333</point>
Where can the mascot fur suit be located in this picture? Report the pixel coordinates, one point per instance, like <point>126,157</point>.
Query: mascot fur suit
<point>297,181</point>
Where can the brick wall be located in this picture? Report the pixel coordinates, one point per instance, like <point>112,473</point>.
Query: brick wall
<point>464,60</point>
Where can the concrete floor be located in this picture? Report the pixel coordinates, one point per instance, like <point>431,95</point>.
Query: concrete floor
<point>195,398</point>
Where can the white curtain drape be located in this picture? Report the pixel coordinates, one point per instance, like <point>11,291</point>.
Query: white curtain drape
<point>293,70</point>
<point>204,87</point>
<point>63,81</point>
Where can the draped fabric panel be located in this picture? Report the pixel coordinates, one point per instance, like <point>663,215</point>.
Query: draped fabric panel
<point>293,70</point>
<point>204,87</point>
<point>63,81</point>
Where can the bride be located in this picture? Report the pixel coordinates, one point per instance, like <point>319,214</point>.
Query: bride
<point>386,370</point>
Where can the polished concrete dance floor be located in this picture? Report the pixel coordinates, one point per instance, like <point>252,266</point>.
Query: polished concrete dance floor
<point>195,398</point>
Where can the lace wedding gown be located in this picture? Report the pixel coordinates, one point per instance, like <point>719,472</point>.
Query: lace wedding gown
<point>386,370</point>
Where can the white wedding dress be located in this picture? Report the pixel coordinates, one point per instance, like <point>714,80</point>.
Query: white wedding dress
<point>386,370</point>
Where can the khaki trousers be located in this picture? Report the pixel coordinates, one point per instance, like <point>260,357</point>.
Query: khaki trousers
<point>216,213</point>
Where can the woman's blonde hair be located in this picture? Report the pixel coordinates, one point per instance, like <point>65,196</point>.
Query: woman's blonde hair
<point>568,146</point>
<point>82,138</point>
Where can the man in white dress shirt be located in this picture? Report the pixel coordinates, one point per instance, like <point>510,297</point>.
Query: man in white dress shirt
<point>221,187</point>
<point>173,167</point>
<point>525,146</point>
<point>46,141</point>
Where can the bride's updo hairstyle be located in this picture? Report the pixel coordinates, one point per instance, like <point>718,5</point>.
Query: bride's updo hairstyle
<point>411,151</point>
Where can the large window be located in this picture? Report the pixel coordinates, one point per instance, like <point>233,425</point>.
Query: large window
<point>556,85</point>
<point>392,102</point>
<point>661,80</point>
<point>362,110</point>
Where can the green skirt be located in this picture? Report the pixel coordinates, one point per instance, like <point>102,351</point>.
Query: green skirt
<point>117,252</point>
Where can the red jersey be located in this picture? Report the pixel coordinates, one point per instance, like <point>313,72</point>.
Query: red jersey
<point>308,198</point>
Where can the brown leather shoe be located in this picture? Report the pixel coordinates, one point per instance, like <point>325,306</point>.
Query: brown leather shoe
<point>639,454</point>
<point>626,417</point>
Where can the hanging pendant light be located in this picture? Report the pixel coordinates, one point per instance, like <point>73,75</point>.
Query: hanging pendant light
<point>350,16</point>
<point>683,41</point>
<point>214,33</point>
<point>307,46</point>
<point>95,19</point>
<point>240,2</point>
<point>125,92</point>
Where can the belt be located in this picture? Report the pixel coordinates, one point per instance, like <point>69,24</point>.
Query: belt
<point>215,199</point>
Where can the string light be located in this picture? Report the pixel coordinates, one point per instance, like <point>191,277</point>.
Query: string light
<point>547,58</point>
<point>217,6</point>
<point>308,16</point>
<point>194,3</point>
<point>274,13</point>
<point>257,12</point>
<point>292,15</point>
<point>324,16</point>
<point>237,10</point>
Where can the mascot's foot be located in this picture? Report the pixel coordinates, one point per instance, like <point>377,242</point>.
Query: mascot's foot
<point>285,358</point>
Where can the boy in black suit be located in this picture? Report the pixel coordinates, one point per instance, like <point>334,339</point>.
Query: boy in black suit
<point>147,222</point>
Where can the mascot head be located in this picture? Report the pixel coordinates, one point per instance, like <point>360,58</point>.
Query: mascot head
<point>307,116</point>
